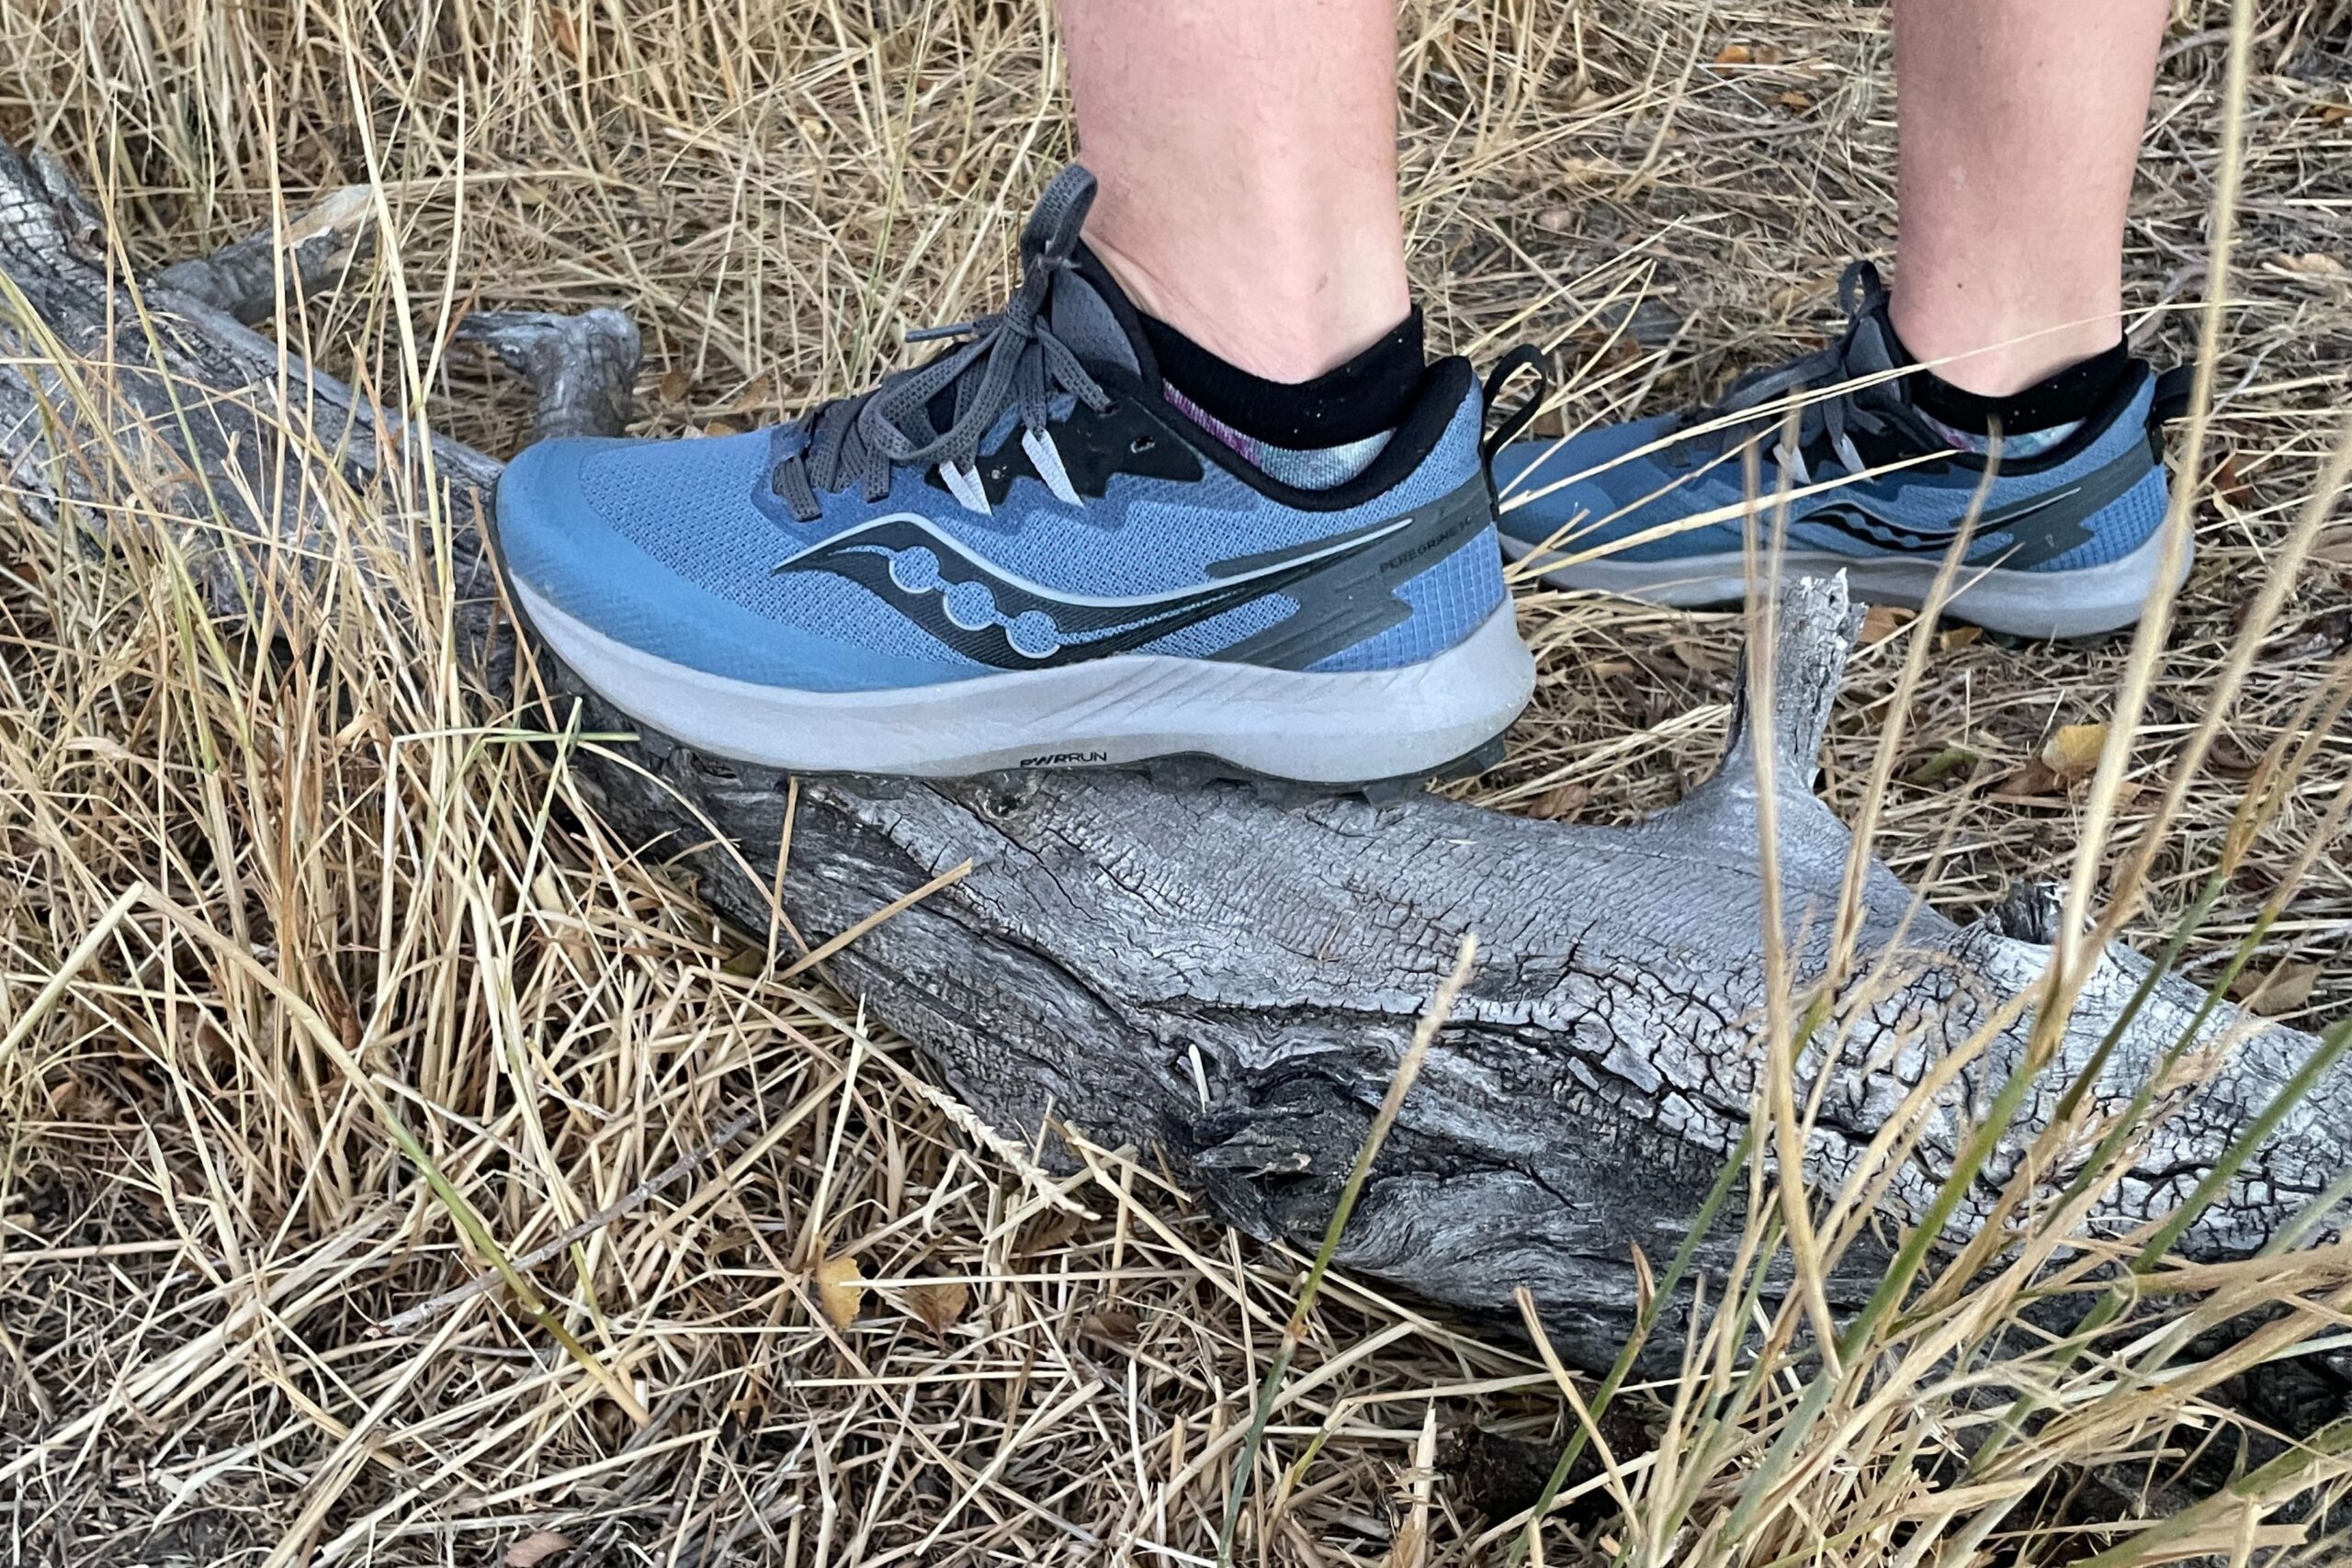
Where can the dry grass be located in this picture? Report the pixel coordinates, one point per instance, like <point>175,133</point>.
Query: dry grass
<point>365,904</point>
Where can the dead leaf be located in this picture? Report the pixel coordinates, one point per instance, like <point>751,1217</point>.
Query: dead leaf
<point>673,385</point>
<point>1560,801</point>
<point>2278,991</point>
<point>2034,778</point>
<point>1882,621</point>
<point>1604,349</point>
<point>1958,637</point>
<point>1115,1323</point>
<point>2312,263</point>
<point>940,1305</point>
<point>1696,657</point>
<point>1048,1233</point>
<point>1795,100</point>
<point>1735,54</point>
<point>840,1290</point>
<point>2073,752</point>
<point>2229,484</point>
<point>539,1546</point>
<point>758,398</point>
<point>567,39</point>
<point>2336,114</point>
<point>1557,219</point>
<point>2230,760</point>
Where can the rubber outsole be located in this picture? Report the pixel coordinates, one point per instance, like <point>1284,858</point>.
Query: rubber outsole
<point>1179,774</point>
<point>764,733</point>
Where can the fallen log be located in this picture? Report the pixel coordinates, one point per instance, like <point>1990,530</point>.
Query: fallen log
<point>1221,980</point>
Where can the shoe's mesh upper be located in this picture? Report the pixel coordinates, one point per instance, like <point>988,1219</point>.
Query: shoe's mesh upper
<point>687,504</point>
<point>1223,631</point>
<point>2121,526</point>
<point>1450,601</point>
<point>690,506</point>
<point>1641,493</point>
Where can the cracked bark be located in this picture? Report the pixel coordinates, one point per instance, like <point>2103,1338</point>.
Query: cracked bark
<point>1599,1065</point>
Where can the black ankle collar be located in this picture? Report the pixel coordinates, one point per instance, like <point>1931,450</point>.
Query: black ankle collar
<point>1369,394</point>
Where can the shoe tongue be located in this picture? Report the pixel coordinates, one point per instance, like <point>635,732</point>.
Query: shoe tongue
<point>1091,314</point>
<point>1872,346</point>
<point>1084,306</point>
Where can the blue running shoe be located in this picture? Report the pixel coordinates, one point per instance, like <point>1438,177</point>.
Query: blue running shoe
<point>1021,554</point>
<point>2067,544</point>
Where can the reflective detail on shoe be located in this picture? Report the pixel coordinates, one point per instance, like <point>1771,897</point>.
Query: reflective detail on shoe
<point>964,484</point>
<point>1047,459</point>
<point>1447,601</point>
<point>2022,534</point>
<point>2117,529</point>
<point>1341,587</point>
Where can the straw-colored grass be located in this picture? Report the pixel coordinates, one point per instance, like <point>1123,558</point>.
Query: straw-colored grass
<point>264,902</point>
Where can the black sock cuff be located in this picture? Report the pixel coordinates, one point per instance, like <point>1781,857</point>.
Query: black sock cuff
<point>2074,393</point>
<point>1370,394</point>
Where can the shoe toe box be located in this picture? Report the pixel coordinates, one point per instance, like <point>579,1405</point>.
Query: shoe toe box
<point>662,548</point>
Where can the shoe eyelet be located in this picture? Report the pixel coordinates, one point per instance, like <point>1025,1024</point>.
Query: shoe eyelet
<point>1142,444</point>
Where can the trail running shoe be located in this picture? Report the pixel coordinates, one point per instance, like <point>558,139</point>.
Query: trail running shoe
<point>1021,554</point>
<point>2066,545</point>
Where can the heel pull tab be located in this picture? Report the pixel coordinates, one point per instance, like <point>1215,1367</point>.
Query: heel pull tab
<point>2173,390</point>
<point>1526,356</point>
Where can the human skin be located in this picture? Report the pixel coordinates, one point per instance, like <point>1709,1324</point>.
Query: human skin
<point>2019,125</point>
<point>1247,151</point>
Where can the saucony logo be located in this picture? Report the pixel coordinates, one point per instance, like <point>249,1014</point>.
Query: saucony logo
<point>2024,534</point>
<point>998,617</point>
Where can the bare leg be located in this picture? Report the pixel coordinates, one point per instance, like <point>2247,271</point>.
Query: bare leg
<point>1247,151</point>
<point>2020,123</point>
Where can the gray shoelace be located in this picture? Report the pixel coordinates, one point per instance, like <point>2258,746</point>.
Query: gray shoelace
<point>1874,408</point>
<point>1011,358</point>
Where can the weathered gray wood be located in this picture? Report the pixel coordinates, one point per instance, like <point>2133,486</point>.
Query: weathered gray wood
<point>584,367</point>
<point>245,276</point>
<point>1230,982</point>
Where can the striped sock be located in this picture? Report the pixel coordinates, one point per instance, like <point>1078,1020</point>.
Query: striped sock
<point>1312,468</point>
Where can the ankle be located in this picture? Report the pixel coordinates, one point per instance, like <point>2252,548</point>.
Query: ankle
<point>2027,419</point>
<point>1992,355</point>
<point>1287,319</point>
<point>1309,434</point>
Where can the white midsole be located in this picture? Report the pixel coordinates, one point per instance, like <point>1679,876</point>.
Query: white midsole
<point>1322,729</point>
<point>2082,602</point>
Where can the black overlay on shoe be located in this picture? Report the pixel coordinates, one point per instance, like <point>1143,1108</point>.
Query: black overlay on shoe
<point>1344,586</point>
<point>1368,396</point>
<point>1094,445</point>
